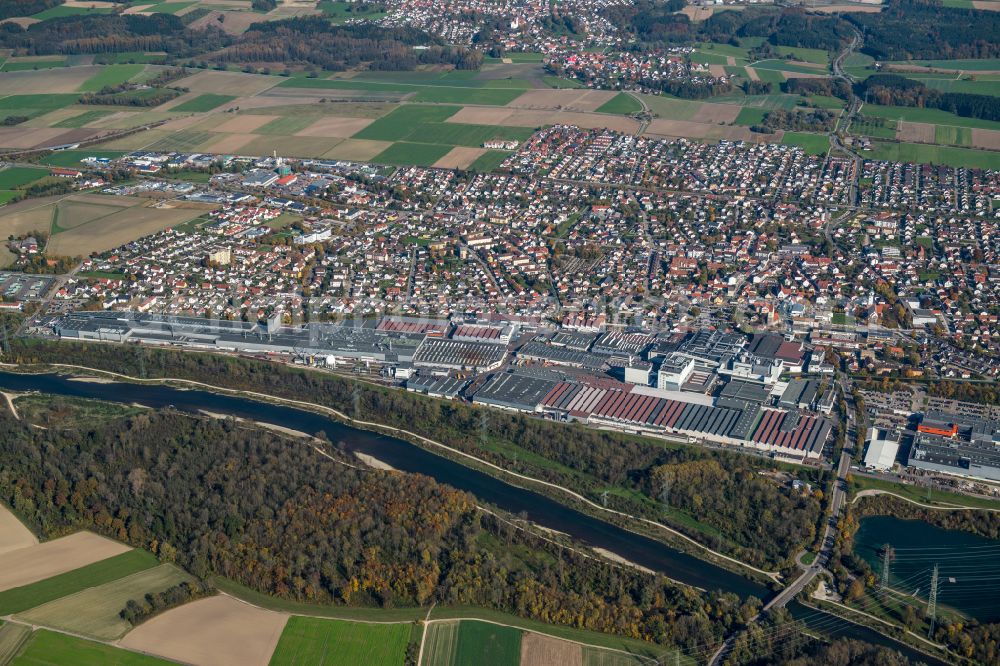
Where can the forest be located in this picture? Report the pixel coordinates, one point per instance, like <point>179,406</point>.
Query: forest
<point>308,40</point>
<point>912,29</point>
<point>652,22</point>
<point>11,8</point>
<point>766,526</point>
<point>896,90</point>
<point>830,87</point>
<point>312,40</point>
<point>815,120</point>
<point>294,519</point>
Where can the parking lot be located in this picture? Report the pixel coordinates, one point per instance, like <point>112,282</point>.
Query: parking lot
<point>20,287</point>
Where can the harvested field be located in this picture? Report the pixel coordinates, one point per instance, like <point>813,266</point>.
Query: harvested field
<point>23,21</point>
<point>70,214</point>
<point>539,650</point>
<point>693,130</point>
<point>109,232</point>
<point>717,70</point>
<point>241,124</point>
<point>230,143</point>
<point>94,612</point>
<point>290,146</point>
<point>594,656</point>
<point>20,137</point>
<point>986,5</point>
<point>26,216</point>
<point>718,113</point>
<point>752,73</point>
<point>228,83</point>
<point>459,158</point>
<point>697,13</point>
<point>337,127</point>
<point>218,631</point>
<point>568,99</point>
<point>13,535</point>
<point>478,115</point>
<point>984,138</point>
<point>234,23</point>
<point>12,637</point>
<point>186,122</point>
<point>28,565</point>
<point>358,150</point>
<point>58,80</point>
<point>915,132</point>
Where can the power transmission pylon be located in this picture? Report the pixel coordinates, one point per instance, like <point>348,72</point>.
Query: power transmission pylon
<point>604,499</point>
<point>932,601</point>
<point>886,557</point>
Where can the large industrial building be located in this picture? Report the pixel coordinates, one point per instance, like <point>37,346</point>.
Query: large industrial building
<point>957,444</point>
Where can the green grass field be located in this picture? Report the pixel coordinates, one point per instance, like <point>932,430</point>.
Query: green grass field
<point>485,643</point>
<point>94,612</point>
<point>826,102</point>
<point>673,109</point>
<point>62,10</point>
<point>709,58</point>
<point>519,58</point>
<point>922,495</point>
<point>205,102</point>
<point>34,105</point>
<point>403,153</point>
<point>488,161</point>
<point>308,640</point>
<point>947,155</point>
<point>28,65</point>
<point>750,116</point>
<point>933,116</point>
<point>340,12</point>
<point>169,7</point>
<point>485,96</point>
<point>400,122</point>
<point>20,599</point>
<point>6,196</point>
<point>82,119</point>
<point>867,127</point>
<point>980,86</point>
<point>48,648</point>
<point>769,75</point>
<point>622,103</point>
<point>14,177</point>
<point>559,82</point>
<point>185,140</point>
<point>814,144</point>
<point>724,49</point>
<point>817,56</point>
<point>952,136</point>
<point>968,65</point>
<point>131,57</point>
<point>785,66</point>
<point>110,75</point>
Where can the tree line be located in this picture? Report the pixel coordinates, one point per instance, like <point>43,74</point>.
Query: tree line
<point>896,90</point>
<point>137,611</point>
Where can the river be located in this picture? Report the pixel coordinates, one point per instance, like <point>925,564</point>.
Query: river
<point>408,457</point>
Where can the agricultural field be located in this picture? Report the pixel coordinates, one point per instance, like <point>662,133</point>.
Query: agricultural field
<point>20,599</point>
<point>32,63</point>
<point>966,65</point>
<point>541,650</point>
<point>869,127</point>
<point>111,75</point>
<point>46,648</point>
<point>12,178</point>
<point>340,12</point>
<point>12,637</point>
<point>203,102</point>
<point>308,640</point>
<point>814,144</point>
<point>13,534</point>
<point>947,155</point>
<point>471,642</point>
<point>219,630</point>
<point>980,86</point>
<point>815,56</point>
<point>29,565</point>
<point>952,136</point>
<point>81,119</point>
<point>597,657</point>
<point>34,104</point>
<point>94,611</point>
<point>750,116</point>
<point>401,122</point>
<point>932,116</point>
<point>768,75</point>
<point>417,154</point>
<point>622,103</point>
<point>488,161</point>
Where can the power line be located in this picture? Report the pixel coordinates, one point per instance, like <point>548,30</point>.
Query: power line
<point>932,601</point>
